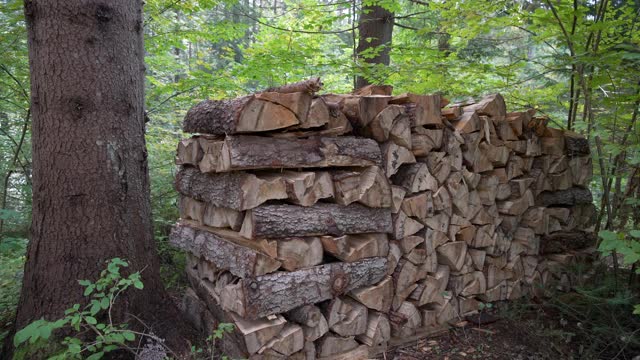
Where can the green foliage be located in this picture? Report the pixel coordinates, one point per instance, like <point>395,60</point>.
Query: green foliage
<point>211,342</point>
<point>12,257</point>
<point>105,336</point>
<point>627,246</point>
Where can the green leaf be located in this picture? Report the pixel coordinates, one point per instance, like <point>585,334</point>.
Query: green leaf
<point>96,356</point>
<point>104,303</point>
<point>91,320</point>
<point>635,233</point>
<point>95,307</point>
<point>128,335</point>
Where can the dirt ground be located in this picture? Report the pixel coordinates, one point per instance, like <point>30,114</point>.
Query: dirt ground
<point>528,338</point>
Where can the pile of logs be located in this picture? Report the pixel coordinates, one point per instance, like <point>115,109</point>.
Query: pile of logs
<point>330,226</point>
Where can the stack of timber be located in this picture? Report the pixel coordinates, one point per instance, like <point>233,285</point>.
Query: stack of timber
<point>335,226</point>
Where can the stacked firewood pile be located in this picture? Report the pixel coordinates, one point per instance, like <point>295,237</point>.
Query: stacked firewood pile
<point>334,226</point>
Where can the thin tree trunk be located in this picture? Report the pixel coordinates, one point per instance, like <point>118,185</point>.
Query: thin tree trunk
<point>90,175</point>
<point>376,29</point>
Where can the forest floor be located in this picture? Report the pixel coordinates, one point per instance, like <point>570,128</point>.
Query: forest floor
<point>518,334</point>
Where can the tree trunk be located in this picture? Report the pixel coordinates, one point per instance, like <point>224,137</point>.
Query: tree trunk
<point>376,29</point>
<point>91,198</point>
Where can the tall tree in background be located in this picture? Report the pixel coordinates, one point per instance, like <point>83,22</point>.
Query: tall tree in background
<point>374,41</point>
<point>90,176</point>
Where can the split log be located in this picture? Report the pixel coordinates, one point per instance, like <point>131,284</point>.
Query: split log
<point>243,114</point>
<point>191,209</point>
<point>423,141</point>
<point>282,291</point>
<point>189,152</point>
<point>401,132</point>
<point>404,226</point>
<point>428,291</point>
<point>397,197</point>
<point>258,332</point>
<point>452,113</point>
<point>581,170</point>
<point>404,277</point>
<point>243,152</point>
<point>537,219</point>
<point>330,345</point>
<point>336,123</point>
<point>423,109</point>
<point>359,353</point>
<point>468,305</point>
<point>345,316</point>
<point>473,283</point>
<point>211,152</point>
<point>452,254</point>
<point>478,257</point>
<point>369,187</point>
<point>405,321</point>
<point>287,342</point>
<point>220,217</point>
<point>393,257</point>
<point>408,243</point>
<point>297,253</point>
<point>498,155</point>
<point>305,188</point>
<point>393,156</point>
<point>467,123</point>
<point>442,201</point>
<point>377,297</point>
<point>361,110</point>
<point>313,323</point>
<point>298,103</point>
<point>236,191</point>
<point>354,247</point>
<point>273,221</point>
<point>379,128</point>
<point>378,330</point>
<point>516,207</point>
<point>419,205</point>
<point>439,164</point>
<point>241,257</point>
<point>318,116</point>
<point>492,105</point>
<point>415,178</point>
<point>439,222</point>
<point>504,130</point>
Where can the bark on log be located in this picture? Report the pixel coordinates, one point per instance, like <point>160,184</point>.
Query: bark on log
<point>236,191</point>
<point>241,258</point>
<point>276,221</point>
<point>243,114</point>
<point>283,291</point>
<point>569,197</point>
<point>254,152</point>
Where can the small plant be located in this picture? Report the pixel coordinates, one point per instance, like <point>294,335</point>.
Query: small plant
<point>105,336</point>
<point>212,339</point>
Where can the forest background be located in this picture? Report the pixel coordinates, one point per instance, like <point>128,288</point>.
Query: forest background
<point>575,61</point>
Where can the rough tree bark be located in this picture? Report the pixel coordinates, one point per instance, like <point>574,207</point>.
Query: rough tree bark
<point>91,198</point>
<point>376,29</point>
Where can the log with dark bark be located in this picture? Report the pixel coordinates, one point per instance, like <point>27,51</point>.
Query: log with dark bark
<point>240,115</point>
<point>236,191</point>
<point>274,221</point>
<point>283,291</point>
<point>253,152</point>
<point>569,197</point>
<point>576,144</point>
<point>566,241</point>
<point>241,257</point>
